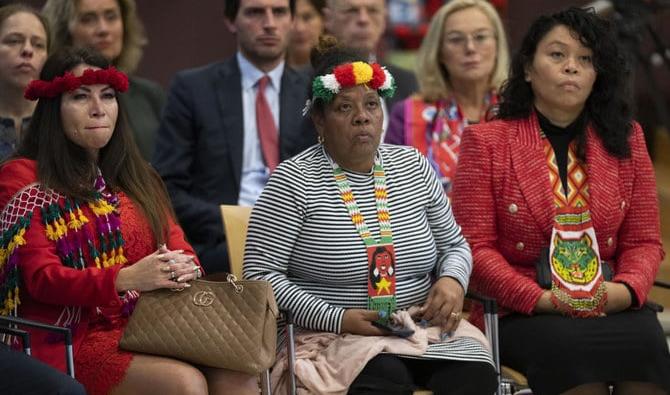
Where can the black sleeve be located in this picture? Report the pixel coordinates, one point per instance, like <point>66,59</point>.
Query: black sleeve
<point>174,157</point>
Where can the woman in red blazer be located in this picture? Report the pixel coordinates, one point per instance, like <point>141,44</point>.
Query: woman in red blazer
<point>562,182</point>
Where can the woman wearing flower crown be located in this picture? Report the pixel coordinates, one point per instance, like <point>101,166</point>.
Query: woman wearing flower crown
<point>462,62</point>
<point>86,225</point>
<point>317,231</point>
<point>113,28</point>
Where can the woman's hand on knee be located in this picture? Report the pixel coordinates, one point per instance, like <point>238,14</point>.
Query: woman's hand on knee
<point>444,305</point>
<point>359,322</point>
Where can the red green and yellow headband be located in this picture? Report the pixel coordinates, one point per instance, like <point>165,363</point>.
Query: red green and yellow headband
<point>325,87</point>
<point>39,89</point>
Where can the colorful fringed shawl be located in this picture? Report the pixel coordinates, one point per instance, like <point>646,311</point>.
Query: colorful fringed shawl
<point>577,283</point>
<point>69,228</point>
<point>435,129</point>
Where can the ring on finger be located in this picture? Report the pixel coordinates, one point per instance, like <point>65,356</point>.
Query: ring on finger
<point>173,275</point>
<point>197,271</point>
<point>455,315</point>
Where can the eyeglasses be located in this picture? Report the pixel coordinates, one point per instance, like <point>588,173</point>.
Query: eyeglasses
<point>461,40</point>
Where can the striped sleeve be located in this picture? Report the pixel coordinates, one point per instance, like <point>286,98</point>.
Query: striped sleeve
<point>454,256</point>
<point>274,227</point>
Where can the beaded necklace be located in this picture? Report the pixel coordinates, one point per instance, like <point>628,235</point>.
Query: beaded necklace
<point>577,283</point>
<point>381,254</point>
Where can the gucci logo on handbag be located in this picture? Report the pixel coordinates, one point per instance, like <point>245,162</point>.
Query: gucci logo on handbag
<point>203,298</point>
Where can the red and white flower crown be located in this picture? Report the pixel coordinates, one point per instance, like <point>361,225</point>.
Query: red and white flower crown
<point>39,89</point>
<point>325,87</point>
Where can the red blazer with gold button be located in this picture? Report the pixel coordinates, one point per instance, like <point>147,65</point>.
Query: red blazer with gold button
<point>503,201</point>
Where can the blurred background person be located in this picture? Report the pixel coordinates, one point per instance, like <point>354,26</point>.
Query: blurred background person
<point>462,62</point>
<point>113,28</point>
<point>228,124</point>
<point>89,227</point>
<point>557,199</point>
<point>360,24</point>
<point>24,42</point>
<point>305,32</point>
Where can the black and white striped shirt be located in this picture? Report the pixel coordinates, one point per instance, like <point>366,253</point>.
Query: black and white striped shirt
<point>303,241</point>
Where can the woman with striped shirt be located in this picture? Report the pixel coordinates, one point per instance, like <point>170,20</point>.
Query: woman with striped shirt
<point>349,231</point>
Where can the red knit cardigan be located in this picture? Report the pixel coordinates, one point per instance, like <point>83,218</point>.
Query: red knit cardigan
<point>503,201</point>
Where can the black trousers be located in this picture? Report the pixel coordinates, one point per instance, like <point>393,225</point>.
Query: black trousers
<point>24,375</point>
<point>393,375</point>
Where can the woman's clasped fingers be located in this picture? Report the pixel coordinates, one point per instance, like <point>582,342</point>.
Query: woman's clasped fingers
<point>177,256</point>
<point>185,272</point>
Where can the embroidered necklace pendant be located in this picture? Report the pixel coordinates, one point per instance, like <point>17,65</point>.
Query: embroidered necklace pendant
<point>380,253</point>
<point>577,283</point>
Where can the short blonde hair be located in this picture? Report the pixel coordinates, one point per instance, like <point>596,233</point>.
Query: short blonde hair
<point>432,74</point>
<point>62,13</point>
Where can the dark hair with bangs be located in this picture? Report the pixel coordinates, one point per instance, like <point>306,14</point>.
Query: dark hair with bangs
<point>68,168</point>
<point>608,106</point>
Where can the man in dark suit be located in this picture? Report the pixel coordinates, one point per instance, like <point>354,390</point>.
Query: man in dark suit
<point>213,146</point>
<point>360,24</point>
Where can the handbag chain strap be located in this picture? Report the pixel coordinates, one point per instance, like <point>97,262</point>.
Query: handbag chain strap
<point>231,278</point>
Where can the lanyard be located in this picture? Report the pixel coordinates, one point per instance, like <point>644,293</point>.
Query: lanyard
<point>380,253</point>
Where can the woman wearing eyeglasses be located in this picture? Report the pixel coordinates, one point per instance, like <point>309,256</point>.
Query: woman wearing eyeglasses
<point>462,61</point>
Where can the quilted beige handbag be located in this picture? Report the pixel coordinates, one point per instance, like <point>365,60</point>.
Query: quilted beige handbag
<point>223,324</point>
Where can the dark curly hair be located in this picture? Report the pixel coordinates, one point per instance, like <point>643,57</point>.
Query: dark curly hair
<point>608,106</point>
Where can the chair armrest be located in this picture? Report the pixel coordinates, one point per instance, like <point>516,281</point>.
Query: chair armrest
<point>490,304</point>
<point>291,384</point>
<point>25,336</point>
<point>66,332</point>
<point>288,315</point>
<point>34,324</point>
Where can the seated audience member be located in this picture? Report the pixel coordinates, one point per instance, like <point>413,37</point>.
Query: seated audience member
<point>24,40</point>
<point>349,230</point>
<point>360,24</point>
<point>305,32</point>
<point>227,125</point>
<point>558,201</point>
<point>113,28</point>
<point>87,226</point>
<point>461,63</point>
